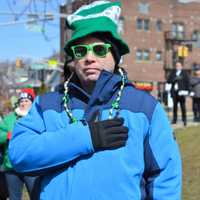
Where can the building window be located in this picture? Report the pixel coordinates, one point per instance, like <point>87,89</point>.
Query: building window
<point>120,29</point>
<point>178,30</point>
<point>196,37</point>
<point>139,54</point>
<point>143,8</point>
<point>159,25</point>
<point>142,24</point>
<point>142,55</point>
<point>146,24</point>
<point>158,56</point>
<point>146,55</point>
<point>139,24</point>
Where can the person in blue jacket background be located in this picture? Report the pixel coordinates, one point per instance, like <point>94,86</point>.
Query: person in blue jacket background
<point>99,138</point>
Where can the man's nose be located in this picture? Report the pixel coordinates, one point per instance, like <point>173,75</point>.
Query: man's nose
<point>90,55</point>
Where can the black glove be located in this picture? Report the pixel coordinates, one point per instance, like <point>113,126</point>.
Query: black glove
<point>108,134</point>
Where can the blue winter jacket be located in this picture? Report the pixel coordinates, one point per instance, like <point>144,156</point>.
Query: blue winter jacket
<point>147,167</point>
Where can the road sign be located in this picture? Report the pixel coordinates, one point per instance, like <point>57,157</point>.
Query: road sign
<point>52,63</point>
<point>39,66</point>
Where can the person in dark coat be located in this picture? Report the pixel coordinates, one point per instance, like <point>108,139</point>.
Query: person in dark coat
<point>179,80</point>
<point>195,93</point>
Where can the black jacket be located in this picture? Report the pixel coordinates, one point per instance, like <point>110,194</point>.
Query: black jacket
<point>182,81</point>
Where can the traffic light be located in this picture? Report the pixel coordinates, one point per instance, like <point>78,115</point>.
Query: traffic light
<point>183,51</point>
<point>18,63</point>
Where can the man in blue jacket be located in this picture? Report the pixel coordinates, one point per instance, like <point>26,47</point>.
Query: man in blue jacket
<point>99,138</point>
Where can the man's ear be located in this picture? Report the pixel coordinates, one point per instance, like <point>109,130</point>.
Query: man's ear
<point>71,66</point>
<point>68,68</point>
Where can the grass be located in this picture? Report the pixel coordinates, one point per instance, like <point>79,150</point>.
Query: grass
<point>188,140</point>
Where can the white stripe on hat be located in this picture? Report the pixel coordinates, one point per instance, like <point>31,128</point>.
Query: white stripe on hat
<point>112,12</point>
<point>93,4</point>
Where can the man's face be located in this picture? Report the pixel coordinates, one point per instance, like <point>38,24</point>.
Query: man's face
<point>179,66</point>
<point>25,104</point>
<point>197,73</point>
<point>90,66</point>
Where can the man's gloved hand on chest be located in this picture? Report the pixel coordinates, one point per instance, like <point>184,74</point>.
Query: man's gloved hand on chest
<point>108,134</point>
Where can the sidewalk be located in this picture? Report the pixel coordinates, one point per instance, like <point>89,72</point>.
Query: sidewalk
<point>179,123</point>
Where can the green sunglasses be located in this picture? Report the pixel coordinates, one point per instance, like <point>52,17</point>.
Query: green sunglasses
<point>98,49</point>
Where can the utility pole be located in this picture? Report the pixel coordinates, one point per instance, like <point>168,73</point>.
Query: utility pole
<point>64,33</point>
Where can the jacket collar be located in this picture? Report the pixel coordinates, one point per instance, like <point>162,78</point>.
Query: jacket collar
<point>105,87</point>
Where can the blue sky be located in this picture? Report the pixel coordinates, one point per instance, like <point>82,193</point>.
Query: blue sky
<point>19,40</point>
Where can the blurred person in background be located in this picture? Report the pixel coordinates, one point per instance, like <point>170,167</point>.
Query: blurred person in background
<point>195,93</point>
<point>179,89</point>
<point>5,109</point>
<point>98,137</point>
<point>15,181</point>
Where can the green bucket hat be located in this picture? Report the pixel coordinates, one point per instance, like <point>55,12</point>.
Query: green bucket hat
<point>97,17</point>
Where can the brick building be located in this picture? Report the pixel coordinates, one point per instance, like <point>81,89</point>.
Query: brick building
<point>155,31</point>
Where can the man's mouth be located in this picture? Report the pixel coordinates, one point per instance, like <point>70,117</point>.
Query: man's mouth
<point>91,70</point>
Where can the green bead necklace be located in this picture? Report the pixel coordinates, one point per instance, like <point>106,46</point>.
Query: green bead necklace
<point>115,103</point>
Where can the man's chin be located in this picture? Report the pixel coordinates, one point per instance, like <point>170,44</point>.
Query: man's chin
<point>92,78</point>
